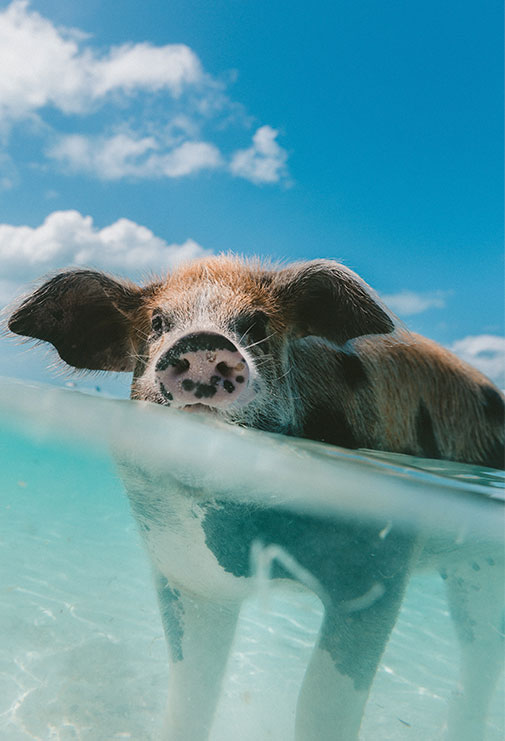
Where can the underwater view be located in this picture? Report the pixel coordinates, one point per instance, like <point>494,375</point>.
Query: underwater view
<point>82,652</point>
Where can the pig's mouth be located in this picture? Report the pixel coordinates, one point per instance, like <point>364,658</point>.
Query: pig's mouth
<point>201,408</point>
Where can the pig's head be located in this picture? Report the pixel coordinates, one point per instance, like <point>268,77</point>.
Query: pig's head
<point>217,335</point>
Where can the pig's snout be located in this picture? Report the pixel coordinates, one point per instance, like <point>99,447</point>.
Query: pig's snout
<point>202,368</point>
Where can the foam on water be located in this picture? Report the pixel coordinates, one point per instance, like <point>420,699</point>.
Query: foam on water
<point>82,653</point>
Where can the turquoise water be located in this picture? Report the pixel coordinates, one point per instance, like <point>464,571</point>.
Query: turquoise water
<point>82,653</point>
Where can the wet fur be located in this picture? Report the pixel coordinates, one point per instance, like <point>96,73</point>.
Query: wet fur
<point>332,367</point>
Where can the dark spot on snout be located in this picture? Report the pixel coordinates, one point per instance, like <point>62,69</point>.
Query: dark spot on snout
<point>166,393</point>
<point>188,384</point>
<point>240,379</point>
<point>202,341</point>
<point>169,360</point>
<point>425,433</point>
<point>494,406</point>
<point>353,371</point>
<point>192,343</point>
<point>162,363</point>
<point>228,386</point>
<point>205,391</point>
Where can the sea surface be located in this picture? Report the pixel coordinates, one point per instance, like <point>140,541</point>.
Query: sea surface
<point>82,654</point>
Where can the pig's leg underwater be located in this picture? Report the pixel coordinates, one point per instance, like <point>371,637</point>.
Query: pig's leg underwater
<point>199,634</point>
<point>364,583</point>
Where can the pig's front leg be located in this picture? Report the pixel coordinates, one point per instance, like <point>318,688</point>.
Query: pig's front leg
<point>199,635</point>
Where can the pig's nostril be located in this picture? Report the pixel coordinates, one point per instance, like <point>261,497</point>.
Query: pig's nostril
<point>224,369</point>
<point>181,365</point>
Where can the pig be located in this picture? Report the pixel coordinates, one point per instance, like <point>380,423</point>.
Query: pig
<point>309,351</point>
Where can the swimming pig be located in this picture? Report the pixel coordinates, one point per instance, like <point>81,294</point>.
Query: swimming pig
<point>305,350</point>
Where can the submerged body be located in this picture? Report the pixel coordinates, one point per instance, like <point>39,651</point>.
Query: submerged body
<point>306,351</point>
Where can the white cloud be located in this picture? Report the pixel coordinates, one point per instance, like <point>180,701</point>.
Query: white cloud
<point>110,158</point>
<point>43,65</point>
<point>185,159</point>
<point>69,238</point>
<point>124,155</point>
<point>406,303</point>
<point>144,66</point>
<point>486,352</point>
<point>264,162</point>
<point>162,135</point>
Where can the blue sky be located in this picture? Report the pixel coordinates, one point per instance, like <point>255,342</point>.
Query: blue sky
<point>134,135</point>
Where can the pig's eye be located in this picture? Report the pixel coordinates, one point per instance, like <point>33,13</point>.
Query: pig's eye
<point>252,328</point>
<point>158,324</point>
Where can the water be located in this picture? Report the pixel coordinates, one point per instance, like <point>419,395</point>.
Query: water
<point>82,652</point>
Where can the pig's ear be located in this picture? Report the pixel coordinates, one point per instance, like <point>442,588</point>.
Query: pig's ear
<point>86,315</point>
<point>326,299</point>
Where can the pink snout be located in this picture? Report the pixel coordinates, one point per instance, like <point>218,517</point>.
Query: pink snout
<point>202,368</point>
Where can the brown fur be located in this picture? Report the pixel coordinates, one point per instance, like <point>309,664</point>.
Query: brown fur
<point>404,371</point>
<point>331,367</point>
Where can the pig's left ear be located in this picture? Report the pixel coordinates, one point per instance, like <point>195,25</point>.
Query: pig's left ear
<point>326,299</point>
<point>87,316</point>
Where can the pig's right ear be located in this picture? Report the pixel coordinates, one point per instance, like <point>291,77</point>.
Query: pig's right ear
<point>87,316</point>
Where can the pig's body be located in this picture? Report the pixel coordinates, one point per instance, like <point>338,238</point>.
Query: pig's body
<point>404,394</point>
<point>306,351</point>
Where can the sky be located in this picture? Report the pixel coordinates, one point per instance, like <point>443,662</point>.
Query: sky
<point>134,136</point>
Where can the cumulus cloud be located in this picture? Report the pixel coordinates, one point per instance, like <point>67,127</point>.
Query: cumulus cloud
<point>129,155</point>
<point>407,303</point>
<point>69,238</point>
<point>486,352</point>
<point>47,66</point>
<point>263,162</point>
<point>44,66</point>
<point>124,155</point>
